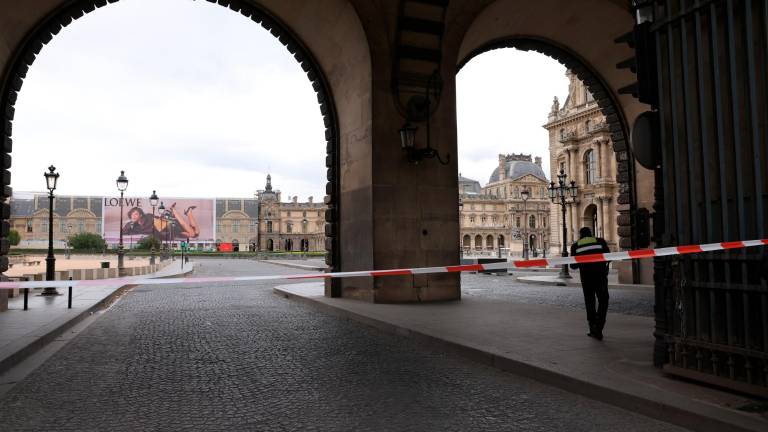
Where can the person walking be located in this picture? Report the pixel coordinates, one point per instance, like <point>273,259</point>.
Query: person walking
<point>594,280</point>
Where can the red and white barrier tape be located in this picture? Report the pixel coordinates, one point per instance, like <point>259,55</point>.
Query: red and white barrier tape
<point>542,262</point>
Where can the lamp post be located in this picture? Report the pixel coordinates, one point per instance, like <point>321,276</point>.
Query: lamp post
<point>170,239</point>
<point>525,194</point>
<point>153,202</point>
<point>51,177</point>
<point>161,209</point>
<point>560,195</point>
<point>122,185</point>
<point>69,237</point>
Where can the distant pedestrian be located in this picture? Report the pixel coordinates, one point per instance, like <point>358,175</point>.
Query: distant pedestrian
<point>594,280</point>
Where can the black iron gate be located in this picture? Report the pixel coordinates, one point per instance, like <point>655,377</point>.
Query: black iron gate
<point>710,76</point>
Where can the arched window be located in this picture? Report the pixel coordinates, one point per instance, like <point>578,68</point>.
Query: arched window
<point>532,221</point>
<point>489,242</point>
<point>466,242</point>
<point>269,227</point>
<point>590,167</point>
<point>478,242</point>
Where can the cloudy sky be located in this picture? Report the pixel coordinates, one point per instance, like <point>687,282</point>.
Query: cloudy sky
<point>198,101</point>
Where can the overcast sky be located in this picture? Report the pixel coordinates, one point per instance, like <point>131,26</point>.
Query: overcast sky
<point>194,100</point>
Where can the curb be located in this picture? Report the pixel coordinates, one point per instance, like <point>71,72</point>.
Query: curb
<point>53,330</point>
<point>291,265</point>
<point>569,283</point>
<point>658,410</point>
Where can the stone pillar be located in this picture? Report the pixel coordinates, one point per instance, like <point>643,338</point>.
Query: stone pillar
<point>600,171</point>
<point>601,218</point>
<point>606,162</point>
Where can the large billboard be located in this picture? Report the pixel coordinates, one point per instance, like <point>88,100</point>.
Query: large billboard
<point>182,219</point>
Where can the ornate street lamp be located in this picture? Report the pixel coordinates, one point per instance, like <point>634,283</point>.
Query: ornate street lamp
<point>525,194</point>
<point>153,202</point>
<point>560,195</point>
<point>122,185</point>
<point>51,177</point>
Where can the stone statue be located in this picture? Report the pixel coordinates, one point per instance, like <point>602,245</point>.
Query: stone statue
<point>555,105</point>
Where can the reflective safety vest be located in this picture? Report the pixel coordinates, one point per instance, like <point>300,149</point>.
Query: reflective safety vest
<point>588,245</point>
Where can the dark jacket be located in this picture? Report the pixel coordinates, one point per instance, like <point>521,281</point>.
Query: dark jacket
<point>587,246</point>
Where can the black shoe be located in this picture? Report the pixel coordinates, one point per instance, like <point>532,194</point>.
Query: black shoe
<point>596,334</point>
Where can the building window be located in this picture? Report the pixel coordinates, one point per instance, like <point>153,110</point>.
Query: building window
<point>289,227</point>
<point>98,227</point>
<point>318,213</point>
<point>544,222</point>
<point>590,167</point>
<point>236,226</point>
<point>562,133</point>
<point>588,125</point>
<point>44,226</point>
<point>483,219</point>
<point>29,225</point>
<point>532,221</point>
<point>254,226</point>
<point>472,219</point>
<point>304,213</point>
<point>304,226</point>
<point>269,226</point>
<point>517,221</point>
<point>62,226</point>
<point>81,225</point>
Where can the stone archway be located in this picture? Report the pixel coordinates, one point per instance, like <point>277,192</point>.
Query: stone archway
<point>314,46</point>
<point>607,103</point>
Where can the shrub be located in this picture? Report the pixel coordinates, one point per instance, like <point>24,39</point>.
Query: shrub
<point>87,241</point>
<point>147,242</point>
<point>14,238</point>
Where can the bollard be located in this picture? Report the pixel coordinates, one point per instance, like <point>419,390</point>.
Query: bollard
<point>69,299</point>
<point>26,297</point>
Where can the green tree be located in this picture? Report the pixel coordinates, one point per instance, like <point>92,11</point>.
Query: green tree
<point>87,241</point>
<point>14,238</point>
<point>148,242</point>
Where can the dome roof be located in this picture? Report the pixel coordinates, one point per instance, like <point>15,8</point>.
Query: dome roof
<point>516,169</point>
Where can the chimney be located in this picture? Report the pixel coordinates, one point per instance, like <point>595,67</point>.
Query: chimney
<point>295,199</point>
<point>538,161</point>
<point>310,199</point>
<point>502,167</point>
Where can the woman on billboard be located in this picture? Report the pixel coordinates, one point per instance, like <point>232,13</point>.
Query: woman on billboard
<point>182,225</point>
<point>139,223</point>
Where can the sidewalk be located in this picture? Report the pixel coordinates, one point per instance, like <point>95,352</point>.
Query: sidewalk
<point>24,332</point>
<point>549,344</point>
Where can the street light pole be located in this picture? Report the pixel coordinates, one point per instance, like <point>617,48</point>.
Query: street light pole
<point>525,195</point>
<point>559,195</point>
<point>51,177</point>
<point>122,185</point>
<point>153,202</point>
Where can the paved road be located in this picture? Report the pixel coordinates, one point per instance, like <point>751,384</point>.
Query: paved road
<point>240,358</point>
<point>632,301</point>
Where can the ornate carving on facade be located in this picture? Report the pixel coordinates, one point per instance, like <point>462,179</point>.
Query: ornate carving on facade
<point>580,144</point>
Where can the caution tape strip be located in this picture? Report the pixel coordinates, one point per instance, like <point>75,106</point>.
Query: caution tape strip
<point>520,264</point>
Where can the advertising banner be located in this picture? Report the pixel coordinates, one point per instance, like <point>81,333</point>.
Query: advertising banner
<point>182,219</point>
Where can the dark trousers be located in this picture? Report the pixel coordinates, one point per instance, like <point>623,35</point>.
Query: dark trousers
<point>595,287</point>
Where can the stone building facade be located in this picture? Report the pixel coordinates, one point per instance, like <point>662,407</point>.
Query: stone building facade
<point>497,217</point>
<point>264,220</point>
<point>71,215</point>
<point>291,226</point>
<point>580,145</point>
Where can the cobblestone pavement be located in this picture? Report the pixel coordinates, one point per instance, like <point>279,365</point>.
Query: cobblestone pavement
<point>241,358</point>
<point>632,301</point>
